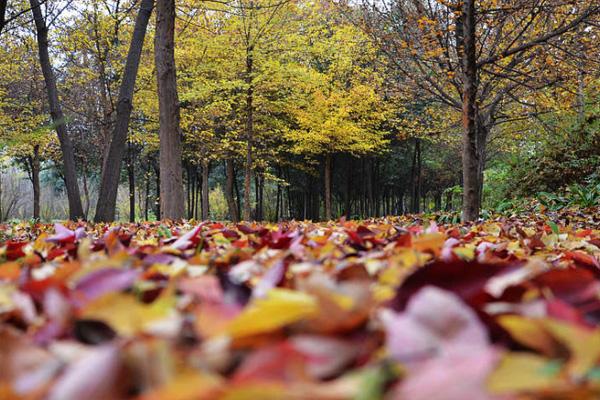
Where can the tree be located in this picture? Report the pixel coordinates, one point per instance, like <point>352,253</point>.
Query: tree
<point>111,166</point>
<point>343,110</point>
<point>3,4</point>
<point>431,46</point>
<point>171,188</point>
<point>58,118</point>
<point>257,18</point>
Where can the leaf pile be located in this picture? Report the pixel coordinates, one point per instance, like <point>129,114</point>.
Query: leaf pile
<point>396,308</point>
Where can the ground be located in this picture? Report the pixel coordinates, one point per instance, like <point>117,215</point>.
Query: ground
<point>391,308</point>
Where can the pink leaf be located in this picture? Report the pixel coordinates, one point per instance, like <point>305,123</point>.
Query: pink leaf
<point>92,377</point>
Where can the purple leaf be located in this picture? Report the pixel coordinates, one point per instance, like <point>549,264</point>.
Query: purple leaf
<point>434,323</point>
<point>451,377</point>
<point>269,280</point>
<point>92,377</point>
<point>184,242</point>
<point>103,281</point>
<point>62,234</point>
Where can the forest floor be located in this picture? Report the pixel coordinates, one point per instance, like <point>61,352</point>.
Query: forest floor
<point>396,308</point>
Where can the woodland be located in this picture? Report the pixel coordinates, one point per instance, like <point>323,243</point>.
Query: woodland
<point>300,199</point>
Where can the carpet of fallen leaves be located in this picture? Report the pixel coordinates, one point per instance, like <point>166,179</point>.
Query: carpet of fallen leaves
<point>396,308</point>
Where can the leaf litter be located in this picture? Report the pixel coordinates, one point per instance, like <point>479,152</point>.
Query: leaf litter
<point>393,308</point>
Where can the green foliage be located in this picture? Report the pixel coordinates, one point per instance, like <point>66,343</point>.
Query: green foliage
<point>218,204</point>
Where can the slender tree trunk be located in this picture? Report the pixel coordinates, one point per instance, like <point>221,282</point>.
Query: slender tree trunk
<point>194,189</point>
<point>370,197</point>
<point>470,151</point>
<point>238,196</point>
<point>327,178</point>
<point>147,196</point>
<point>279,200</point>
<point>157,201</point>
<point>416,178</point>
<point>188,185</point>
<point>131,180</point>
<point>35,178</point>
<point>580,96</point>
<point>249,131</point>
<point>2,14</point>
<point>449,200</point>
<point>419,177</point>
<point>1,208</point>
<point>230,178</point>
<point>68,153</point>
<point>198,194</point>
<point>111,166</point>
<point>205,202</point>
<point>171,189</point>
<point>438,201</point>
<point>261,196</point>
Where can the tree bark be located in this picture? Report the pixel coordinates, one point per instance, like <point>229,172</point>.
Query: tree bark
<point>448,201</point>
<point>416,178</point>
<point>230,178</point>
<point>68,153</point>
<point>35,178</point>
<point>205,190</point>
<point>131,180</point>
<point>1,208</point>
<point>470,150</point>
<point>258,190</point>
<point>111,166</point>
<point>171,179</point>
<point>157,199</point>
<point>2,14</point>
<point>328,168</point>
<point>249,132</point>
<point>147,195</point>
<point>580,96</point>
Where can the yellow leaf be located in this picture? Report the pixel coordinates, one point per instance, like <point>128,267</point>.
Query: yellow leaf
<point>263,391</point>
<point>584,345</point>
<point>127,315</point>
<point>281,307</point>
<point>186,386</point>
<point>529,332</point>
<point>466,253</point>
<point>429,241</point>
<point>522,372</point>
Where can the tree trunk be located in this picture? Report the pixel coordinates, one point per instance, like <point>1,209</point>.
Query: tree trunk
<point>2,14</point>
<point>171,179</point>
<point>111,167</point>
<point>35,179</point>
<point>58,119</point>
<point>230,178</point>
<point>328,168</point>
<point>348,211</point>
<point>580,96</point>
<point>1,208</point>
<point>131,180</point>
<point>197,194</point>
<point>249,131</point>
<point>205,202</point>
<point>147,196</point>
<point>416,178</point>
<point>470,151</point>
<point>189,191</point>
<point>437,200</point>
<point>449,200</point>
<point>157,199</point>
<point>261,196</point>
<point>279,197</point>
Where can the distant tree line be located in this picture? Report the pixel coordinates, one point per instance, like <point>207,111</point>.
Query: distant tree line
<point>291,109</point>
